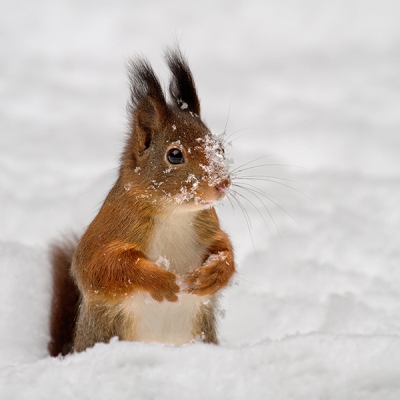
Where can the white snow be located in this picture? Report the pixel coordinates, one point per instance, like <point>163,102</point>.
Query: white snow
<point>314,312</point>
<point>217,167</point>
<point>183,105</point>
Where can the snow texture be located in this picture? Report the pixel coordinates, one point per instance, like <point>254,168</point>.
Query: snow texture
<point>217,166</point>
<point>314,89</point>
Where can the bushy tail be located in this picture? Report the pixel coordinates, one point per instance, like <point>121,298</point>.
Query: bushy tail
<point>65,301</point>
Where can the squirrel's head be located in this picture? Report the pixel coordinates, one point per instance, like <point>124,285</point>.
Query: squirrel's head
<point>171,157</point>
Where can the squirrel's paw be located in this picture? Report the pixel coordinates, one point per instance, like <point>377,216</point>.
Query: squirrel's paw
<point>209,278</point>
<point>164,287</point>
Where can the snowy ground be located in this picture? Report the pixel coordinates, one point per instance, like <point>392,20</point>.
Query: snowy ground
<point>315,311</point>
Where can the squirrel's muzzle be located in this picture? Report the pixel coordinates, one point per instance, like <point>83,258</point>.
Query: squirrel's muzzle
<point>222,187</point>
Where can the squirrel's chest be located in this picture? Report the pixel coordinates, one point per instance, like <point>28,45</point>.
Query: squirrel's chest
<point>174,243</point>
<point>173,246</point>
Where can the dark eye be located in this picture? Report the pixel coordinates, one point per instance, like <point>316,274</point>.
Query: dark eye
<point>175,156</point>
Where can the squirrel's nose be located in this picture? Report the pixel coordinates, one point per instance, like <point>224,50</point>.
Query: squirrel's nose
<point>223,186</point>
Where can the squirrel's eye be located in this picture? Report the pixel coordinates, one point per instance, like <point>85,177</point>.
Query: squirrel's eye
<point>175,156</point>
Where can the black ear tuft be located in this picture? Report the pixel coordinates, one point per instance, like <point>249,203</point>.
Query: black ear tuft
<point>148,107</point>
<point>182,87</point>
<point>144,83</point>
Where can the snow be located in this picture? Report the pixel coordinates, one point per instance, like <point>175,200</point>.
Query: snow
<point>217,167</point>
<point>323,366</point>
<point>314,312</point>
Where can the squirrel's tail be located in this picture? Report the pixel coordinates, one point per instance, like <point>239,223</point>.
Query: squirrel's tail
<point>65,301</point>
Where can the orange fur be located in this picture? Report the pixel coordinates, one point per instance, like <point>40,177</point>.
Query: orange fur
<point>119,269</point>
<point>213,276</point>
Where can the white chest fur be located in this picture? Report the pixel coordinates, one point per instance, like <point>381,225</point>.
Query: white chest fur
<point>174,246</point>
<point>174,243</point>
<point>163,322</point>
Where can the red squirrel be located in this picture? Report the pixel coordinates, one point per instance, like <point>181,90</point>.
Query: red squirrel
<point>151,263</point>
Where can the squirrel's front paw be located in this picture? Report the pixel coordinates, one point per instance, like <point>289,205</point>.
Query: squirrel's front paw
<point>164,286</point>
<point>211,277</point>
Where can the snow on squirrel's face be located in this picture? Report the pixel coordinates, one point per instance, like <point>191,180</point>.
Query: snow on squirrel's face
<point>185,166</point>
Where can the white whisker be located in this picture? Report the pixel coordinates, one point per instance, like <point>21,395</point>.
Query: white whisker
<point>246,217</point>
<point>249,162</point>
<point>237,176</point>
<point>226,139</point>
<point>264,205</point>
<point>260,178</point>
<point>254,190</point>
<point>227,118</point>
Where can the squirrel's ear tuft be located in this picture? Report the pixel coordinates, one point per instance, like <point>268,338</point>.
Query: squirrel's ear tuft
<point>182,87</point>
<point>148,107</point>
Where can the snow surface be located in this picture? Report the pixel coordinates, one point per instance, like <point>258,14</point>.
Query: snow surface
<point>315,311</point>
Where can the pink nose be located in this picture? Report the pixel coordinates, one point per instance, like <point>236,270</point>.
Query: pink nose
<point>223,186</point>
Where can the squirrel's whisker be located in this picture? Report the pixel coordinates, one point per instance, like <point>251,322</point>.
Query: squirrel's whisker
<point>246,217</point>
<point>262,177</point>
<point>227,119</point>
<point>247,190</point>
<point>230,201</point>
<point>249,162</point>
<point>259,178</point>
<point>226,140</point>
<point>234,194</point>
<point>254,190</point>
<point>256,208</point>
